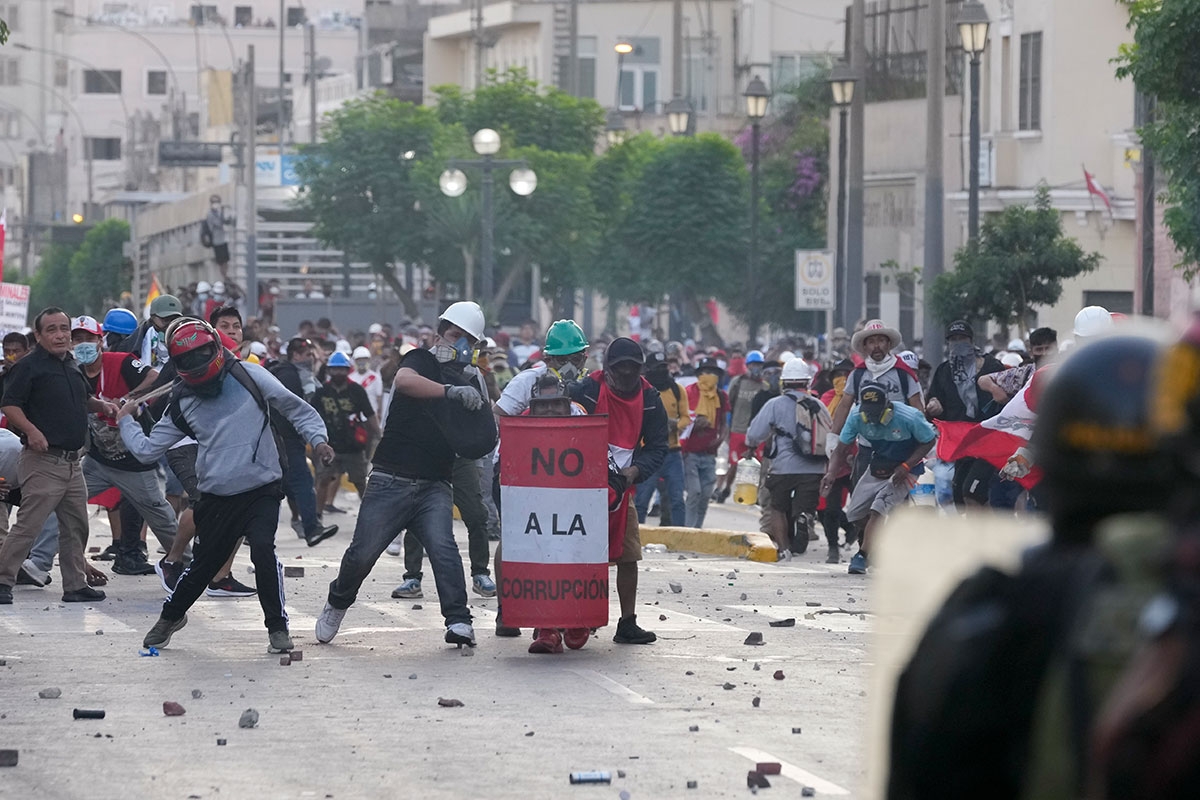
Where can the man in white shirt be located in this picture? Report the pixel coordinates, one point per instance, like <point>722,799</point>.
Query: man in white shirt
<point>369,379</point>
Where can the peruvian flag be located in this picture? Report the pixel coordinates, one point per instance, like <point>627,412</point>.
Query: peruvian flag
<point>3,236</point>
<point>1094,188</point>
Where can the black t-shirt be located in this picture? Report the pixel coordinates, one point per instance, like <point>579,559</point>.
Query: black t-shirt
<point>760,400</point>
<point>336,408</point>
<point>412,444</point>
<point>53,394</point>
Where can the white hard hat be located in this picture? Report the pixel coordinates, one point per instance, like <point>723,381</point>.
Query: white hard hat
<point>218,288</point>
<point>786,356</point>
<point>258,349</point>
<point>466,315</point>
<point>1016,346</point>
<point>797,370</point>
<point>203,287</point>
<point>360,352</point>
<point>375,328</point>
<point>342,346</point>
<point>1092,321</point>
<point>910,358</point>
<point>1011,359</point>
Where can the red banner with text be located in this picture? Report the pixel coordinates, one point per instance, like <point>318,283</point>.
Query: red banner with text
<point>554,521</point>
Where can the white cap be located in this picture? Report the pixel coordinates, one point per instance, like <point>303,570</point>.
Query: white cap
<point>1092,321</point>
<point>375,328</point>
<point>909,358</point>
<point>342,346</point>
<point>360,352</point>
<point>258,349</point>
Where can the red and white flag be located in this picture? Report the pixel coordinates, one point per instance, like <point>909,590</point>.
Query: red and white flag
<point>3,236</point>
<point>1094,188</point>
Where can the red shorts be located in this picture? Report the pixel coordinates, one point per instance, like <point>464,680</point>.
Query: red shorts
<point>737,447</point>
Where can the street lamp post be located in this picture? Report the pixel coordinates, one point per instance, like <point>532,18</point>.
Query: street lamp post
<point>757,97</point>
<point>614,127</point>
<point>973,28</point>
<point>622,49</point>
<point>453,182</point>
<point>679,115</point>
<point>841,82</point>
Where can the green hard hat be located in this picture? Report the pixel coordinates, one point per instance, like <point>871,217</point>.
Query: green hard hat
<point>564,338</point>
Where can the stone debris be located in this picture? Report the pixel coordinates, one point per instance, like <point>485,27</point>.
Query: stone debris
<point>173,709</point>
<point>620,773</point>
<point>728,686</point>
<point>293,572</point>
<point>743,595</point>
<point>757,666</point>
<point>412,677</point>
<point>790,622</point>
<point>220,742</point>
<point>756,701</point>
<point>768,767</point>
<point>529,733</point>
<point>249,719</point>
<point>87,713</point>
<point>778,675</point>
<point>662,617</point>
<point>693,728</point>
<point>52,693</point>
<point>795,730</point>
<point>8,758</point>
<point>779,591</point>
<point>99,633</point>
<point>197,694</point>
<point>812,603</point>
<point>418,607</point>
<point>755,638</point>
<point>808,791</point>
<point>730,576</point>
<point>756,780</point>
<point>675,587</point>
<point>285,661</point>
<point>449,702</point>
<point>692,784</point>
<point>387,674</point>
<point>297,655</point>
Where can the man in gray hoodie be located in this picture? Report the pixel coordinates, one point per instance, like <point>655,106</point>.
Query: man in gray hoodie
<point>226,406</point>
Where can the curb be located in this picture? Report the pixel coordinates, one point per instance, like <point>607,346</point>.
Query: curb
<point>738,544</point>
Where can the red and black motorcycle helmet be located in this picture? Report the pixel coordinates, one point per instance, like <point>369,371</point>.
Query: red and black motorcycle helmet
<point>195,349</point>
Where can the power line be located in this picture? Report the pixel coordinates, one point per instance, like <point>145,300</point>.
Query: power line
<point>807,14</point>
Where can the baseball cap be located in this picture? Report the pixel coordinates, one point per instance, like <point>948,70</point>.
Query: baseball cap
<point>86,323</point>
<point>709,365</point>
<point>375,328</point>
<point>872,394</point>
<point>655,360</point>
<point>258,349</point>
<point>960,327</point>
<point>624,349</point>
<point>166,305</point>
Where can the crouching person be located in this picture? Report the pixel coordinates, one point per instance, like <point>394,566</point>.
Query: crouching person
<point>226,406</point>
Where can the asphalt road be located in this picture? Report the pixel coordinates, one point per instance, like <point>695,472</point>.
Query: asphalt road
<point>360,718</point>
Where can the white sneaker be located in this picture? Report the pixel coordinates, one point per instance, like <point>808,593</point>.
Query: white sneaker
<point>329,622</point>
<point>40,576</point>
<point>397,545</point>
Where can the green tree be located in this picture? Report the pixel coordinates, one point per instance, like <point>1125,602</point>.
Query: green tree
<point>618,270</point>
<point>1163,61</point>
<point>361,183</point>
<point>523,112</point>
<point>1019,263</point>
<point>99,270</point>
<point>51,283</point>
<point>687,222</point>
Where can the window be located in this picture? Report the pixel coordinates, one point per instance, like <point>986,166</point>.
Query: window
<point>102,81</point>
<point>1030,100</point>
<point>1120,302</point>
<point>12,17</point>
<point>102,148</point>
<point>874,287</point>
<point>639,89</point>
<point>62,72</point>
<point>587,68</point>
<point>10,71</point>
<point>243,16</point>
<point>10,124</point>
<point>295,16</point>
<point>202,14</point>
<point>156,82</point>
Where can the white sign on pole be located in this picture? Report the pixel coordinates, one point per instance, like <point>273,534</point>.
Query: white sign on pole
<point>814,280</point>
<point>14,306</point>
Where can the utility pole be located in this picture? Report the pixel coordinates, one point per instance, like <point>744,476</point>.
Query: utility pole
<point>855,205</point>
<point>251,189</point>
<point>282,115</point>
<point>676,49</point>
<point>1148,225</point>
<point>312,83</point>
<point>479,44</point>
<point>935,95</point>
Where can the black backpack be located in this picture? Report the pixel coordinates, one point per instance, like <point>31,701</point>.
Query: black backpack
<point>966,702</point>
<point>238,371</point>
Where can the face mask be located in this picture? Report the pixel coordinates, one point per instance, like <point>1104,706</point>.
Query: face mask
<point>659,378</point>
<point>624,384</point>
<point>755,371</point>
<point>203,295</point>
<point>11,358</point>
<point>962,350</point>
<point>338,380</point>
<point>362,367</point>
<point>569,372</point>
<point>459,352</point>
<point>772,378</point>
<point>87,352</point>
<point>707,382</point>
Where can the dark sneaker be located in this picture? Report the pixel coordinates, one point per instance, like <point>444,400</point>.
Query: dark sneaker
<point>85,595</point>
<point>858,564</point>
<point>5,595</point>
<point>319,535</point>
<point>834,555</point>
<point>30,575</point>
<point>409,589</point>
<point>281,642</point>
<point>160,634</point>
<point>504,631</point>
<point>229,586</point>
<point>133,564</point>
<point>628,632</point>
<point>460,633</point>
<point>108,554</point>
<point>169,573</point>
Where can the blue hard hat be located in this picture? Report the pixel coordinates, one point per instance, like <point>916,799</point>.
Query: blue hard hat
<point>339,359</point>
<point>755,357</point>
<point>120,320</point>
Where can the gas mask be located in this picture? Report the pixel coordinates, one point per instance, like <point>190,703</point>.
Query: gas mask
<point>361,366</point>
<point>771,376</point>
<point>457,353</point>
<point>86,352</point>
<point>569,373</point>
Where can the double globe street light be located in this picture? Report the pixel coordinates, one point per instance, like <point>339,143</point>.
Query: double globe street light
<point>453,182</point>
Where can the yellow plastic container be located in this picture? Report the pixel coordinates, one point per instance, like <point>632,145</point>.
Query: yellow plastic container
<point>745,481</point>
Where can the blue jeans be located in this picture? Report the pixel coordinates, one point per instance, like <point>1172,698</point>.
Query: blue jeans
<point>671,476</point>
<point>298,483</point>
<point>700,477</point>
<point>392,504</point>
<point>46,545</point>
